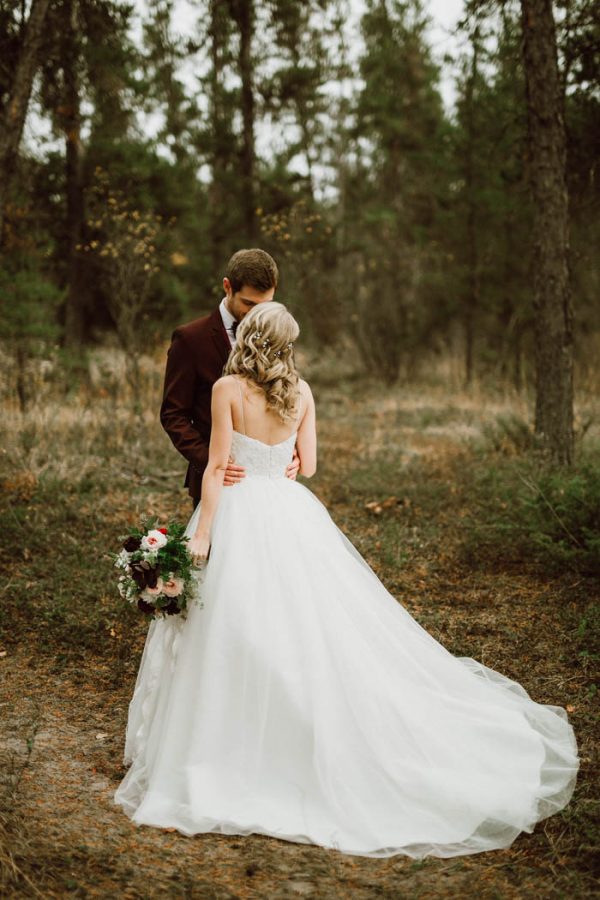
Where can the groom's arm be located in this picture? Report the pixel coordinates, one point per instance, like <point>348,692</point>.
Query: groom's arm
<point>178,401</point>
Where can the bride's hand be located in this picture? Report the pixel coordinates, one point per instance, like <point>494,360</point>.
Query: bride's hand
<point>199,547</point>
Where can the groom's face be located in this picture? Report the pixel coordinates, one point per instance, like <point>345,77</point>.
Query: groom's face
<point>241,302</point>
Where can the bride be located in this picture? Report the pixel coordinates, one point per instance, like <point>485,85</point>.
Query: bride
<point>301,700</point>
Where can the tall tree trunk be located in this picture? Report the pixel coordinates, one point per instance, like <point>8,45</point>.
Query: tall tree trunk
<point>303,120</point>
<point>75,305</point>
<point>473,282</point>
<point>551,285</point>
<point>220,151</point>
<point>16,109</point>
<point>243,14</point>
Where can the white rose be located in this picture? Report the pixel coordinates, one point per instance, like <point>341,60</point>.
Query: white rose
<point>154,540</point>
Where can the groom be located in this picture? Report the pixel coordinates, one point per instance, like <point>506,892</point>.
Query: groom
<point>195,360</point>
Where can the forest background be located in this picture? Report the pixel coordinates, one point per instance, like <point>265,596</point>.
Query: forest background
<point>416,246</point>
<point>397,223</point>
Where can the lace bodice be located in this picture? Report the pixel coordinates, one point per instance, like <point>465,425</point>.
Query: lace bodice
<point>269,460</point>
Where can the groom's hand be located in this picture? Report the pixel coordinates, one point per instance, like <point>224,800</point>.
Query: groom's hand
<point>233,473</point>
<point>292,469</point>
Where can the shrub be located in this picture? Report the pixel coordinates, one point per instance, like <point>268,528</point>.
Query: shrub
<point>564,517</point>
<point>552,516</point>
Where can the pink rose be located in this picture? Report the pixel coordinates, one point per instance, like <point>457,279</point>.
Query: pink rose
<point>153,591</point>
<point>172,587</point>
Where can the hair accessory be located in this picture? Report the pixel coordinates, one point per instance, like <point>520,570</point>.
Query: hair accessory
<point>258,334</point>
<point>287,347</point>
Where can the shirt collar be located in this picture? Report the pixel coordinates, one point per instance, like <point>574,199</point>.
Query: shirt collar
<point>228,319</point>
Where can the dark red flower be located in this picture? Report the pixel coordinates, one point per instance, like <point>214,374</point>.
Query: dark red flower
<point>145,607</point>
<point>131,544</point>
<point>162,530</point>
<point>144,574</point>
<point>152,577</point>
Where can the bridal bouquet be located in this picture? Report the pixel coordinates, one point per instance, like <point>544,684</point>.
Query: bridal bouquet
<point>157,573</point>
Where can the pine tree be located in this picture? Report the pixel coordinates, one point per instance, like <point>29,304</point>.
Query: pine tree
<point>491,218</point>
<point>87,56</point>
<point>293,95</point>
<point>399,116</point>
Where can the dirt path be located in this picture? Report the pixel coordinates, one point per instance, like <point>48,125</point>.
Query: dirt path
<point>62,760</point>
<point>62,763</point>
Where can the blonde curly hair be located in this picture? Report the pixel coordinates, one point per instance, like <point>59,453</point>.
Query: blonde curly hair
<point>264,353</point>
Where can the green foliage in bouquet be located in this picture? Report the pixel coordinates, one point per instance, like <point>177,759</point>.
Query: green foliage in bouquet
<point>174,555</point>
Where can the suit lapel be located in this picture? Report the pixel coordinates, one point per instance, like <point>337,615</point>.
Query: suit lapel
<point>220,335</point>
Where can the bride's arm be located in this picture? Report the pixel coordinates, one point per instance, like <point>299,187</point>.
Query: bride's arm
<point>306,442</point>
<point>218,457</point>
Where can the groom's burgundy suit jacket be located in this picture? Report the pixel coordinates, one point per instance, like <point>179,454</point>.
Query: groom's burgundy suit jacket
<point>195,360</point>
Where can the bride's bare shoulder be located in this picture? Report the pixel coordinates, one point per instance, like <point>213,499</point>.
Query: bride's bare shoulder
<point>224,386</point>
<point>304,388</point>
<point>224,381</point>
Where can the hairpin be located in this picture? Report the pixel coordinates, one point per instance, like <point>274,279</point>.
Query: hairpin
<point>287,347</point>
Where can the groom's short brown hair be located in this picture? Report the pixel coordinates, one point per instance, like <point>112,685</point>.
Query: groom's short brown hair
<point>254,267</point>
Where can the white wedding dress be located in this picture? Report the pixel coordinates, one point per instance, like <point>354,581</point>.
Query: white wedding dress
<point>303,701</point>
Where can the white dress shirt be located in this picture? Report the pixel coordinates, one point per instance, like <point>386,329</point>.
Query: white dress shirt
<point>228,321</point>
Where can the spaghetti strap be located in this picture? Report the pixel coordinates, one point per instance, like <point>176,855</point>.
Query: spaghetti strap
<point>299,419</point>
<point>242,406</point>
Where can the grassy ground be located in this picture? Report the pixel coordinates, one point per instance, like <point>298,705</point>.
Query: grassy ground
<point>421,479</point>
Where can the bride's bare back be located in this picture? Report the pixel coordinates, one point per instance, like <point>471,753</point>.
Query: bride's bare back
<point>251,416</point>
<point>239,404</point>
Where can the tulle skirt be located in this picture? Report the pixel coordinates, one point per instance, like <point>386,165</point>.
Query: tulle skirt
<point>304,702</point>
